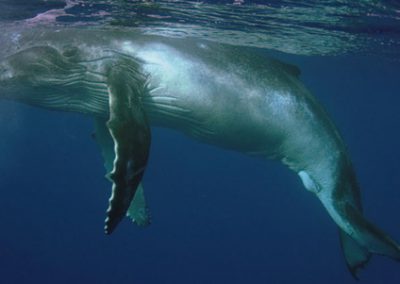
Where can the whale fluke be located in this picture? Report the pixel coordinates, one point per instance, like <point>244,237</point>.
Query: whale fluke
<point>355,255</point>
<point>366,239</point>
<point>338,191</point>
<point>370,236</point>
<point>360,239</point>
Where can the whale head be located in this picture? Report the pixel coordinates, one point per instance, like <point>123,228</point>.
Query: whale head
<point>43,76</point>
<point>31,71</point>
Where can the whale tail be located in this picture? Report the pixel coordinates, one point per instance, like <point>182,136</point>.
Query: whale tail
<point>360,239</point>
<point>340,196</point>
<point>355,255</point>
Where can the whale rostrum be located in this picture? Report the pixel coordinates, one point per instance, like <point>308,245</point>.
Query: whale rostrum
<point>227,96</point>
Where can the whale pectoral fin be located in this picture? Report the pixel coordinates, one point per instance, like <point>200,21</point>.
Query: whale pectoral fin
<point>104,140</point>
<point>355,255</point>
<point>138,210</point>
<point>131,136</point>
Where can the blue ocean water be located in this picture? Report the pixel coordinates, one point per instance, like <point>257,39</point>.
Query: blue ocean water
<point>218,216</point>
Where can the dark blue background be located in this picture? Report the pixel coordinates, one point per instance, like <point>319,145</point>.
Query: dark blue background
<point>218,216</point>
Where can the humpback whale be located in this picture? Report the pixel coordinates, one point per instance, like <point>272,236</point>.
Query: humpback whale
<point>215,93</point>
